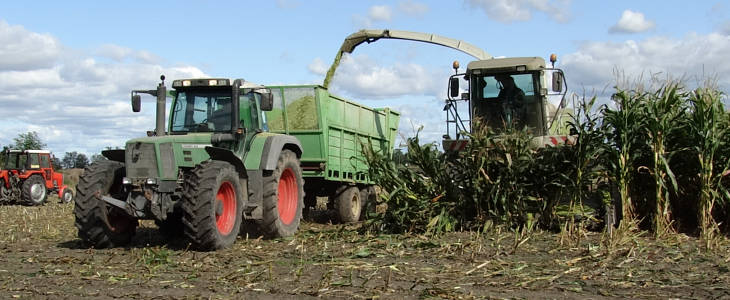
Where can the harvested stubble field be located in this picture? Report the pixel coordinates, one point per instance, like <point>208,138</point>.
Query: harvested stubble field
<point>41,257</point>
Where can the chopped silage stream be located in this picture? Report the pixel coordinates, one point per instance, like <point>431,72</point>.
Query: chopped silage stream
<point>42,257</point>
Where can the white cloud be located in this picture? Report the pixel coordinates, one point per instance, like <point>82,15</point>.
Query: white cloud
<point>75,101</point>
<point>413,8</point>
<point>362,77</point>
<point>632,22</point>
<point>695,57</point>
<point>22,50</point>
<point>507,11</point>
<point>317,67</point>
<point>380,13</point>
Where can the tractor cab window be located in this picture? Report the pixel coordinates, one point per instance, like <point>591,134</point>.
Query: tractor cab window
<point>35,161</point>
<point>15,161</point>
<point>502,100</point>
<point>202,111</point>
<point>249,107</point>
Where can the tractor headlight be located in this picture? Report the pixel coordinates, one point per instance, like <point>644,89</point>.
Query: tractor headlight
<point>126,181</point>
<point>151,181</point>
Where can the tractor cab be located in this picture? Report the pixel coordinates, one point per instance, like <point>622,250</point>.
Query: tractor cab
<point>504,93</point>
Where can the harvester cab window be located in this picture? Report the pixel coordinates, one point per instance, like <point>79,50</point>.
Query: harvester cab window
<point>503,99</point>
<point>202,111</point>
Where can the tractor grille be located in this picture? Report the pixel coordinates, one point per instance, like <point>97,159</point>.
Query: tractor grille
<point>140,160</point>
<point>169,169</point>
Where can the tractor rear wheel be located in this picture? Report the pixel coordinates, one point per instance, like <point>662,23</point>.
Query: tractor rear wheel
<point>34,190</point>
<point>5,193</point>
<point>283,197</point>
<point>100,224</point>
<point>349,205</point>
<point>212,205</point>
<point>67,196</point>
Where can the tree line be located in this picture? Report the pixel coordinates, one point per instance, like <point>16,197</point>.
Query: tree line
<point>31,141</point>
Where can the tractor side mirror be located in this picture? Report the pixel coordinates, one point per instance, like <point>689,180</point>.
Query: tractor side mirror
<point>267,101</point>
<point>454,87</point>
<point>557,82</point>
<point>136,103</point>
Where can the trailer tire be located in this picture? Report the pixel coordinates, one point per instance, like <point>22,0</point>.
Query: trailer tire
<point>283,197</point>
<point>67,196</point>
<point>34,190</point>
<point>212,205</point>
<point>349,205</point>
<point>99,224</point>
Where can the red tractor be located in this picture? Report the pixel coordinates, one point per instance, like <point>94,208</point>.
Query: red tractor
<point>28,176</point>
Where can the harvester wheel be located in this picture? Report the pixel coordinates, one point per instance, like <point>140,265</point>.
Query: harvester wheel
<point>34,190</point>
<point>349,205</point>
<point>212,205</point>
<point>67,195</point>
<point>100,224</point>
<point>283,197</point>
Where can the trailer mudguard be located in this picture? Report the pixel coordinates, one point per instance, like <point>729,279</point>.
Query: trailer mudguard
<point>114,154</point>
<point>226,155</point>
<point>273,146</point>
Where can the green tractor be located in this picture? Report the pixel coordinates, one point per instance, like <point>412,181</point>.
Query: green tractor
<point>214,172</point>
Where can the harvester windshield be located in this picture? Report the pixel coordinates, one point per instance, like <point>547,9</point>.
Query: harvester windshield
<point>202,111</point>
<point>502,100</point>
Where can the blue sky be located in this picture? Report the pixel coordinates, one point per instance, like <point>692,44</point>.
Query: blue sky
<point>66,68</point>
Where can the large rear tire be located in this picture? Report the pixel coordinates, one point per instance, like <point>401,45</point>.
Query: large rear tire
<point>349,205</point>
<point>100,224</point>
<point>34,190</point>
<point>283,197</point>
<point>212,205</point>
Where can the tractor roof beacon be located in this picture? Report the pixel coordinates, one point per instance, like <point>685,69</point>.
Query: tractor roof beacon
<point>212,171</point>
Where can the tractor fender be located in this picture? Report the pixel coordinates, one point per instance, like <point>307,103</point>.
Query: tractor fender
<point>114,154</point>
<point>274,145</point>
<point>226,155</point>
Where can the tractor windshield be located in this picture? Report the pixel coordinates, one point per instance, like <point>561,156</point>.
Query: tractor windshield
<point>503,100</point>
<point>203,110</point>
<point>15,161</point>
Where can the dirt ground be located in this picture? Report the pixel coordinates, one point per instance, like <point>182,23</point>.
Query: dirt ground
<point>41,257</point>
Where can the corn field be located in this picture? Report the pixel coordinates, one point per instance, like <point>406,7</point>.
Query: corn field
<point>656,157</point>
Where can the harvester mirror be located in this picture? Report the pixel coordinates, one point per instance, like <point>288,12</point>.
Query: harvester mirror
<point>136,103</point>
<point>267,101</point>
<point>454,87</point>
<point>558,82</point>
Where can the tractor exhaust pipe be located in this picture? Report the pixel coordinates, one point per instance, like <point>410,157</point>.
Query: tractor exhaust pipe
<point>161,99</point>
<point>161,94</point>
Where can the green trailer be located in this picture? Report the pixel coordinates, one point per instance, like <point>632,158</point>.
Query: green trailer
<point>333,132</point>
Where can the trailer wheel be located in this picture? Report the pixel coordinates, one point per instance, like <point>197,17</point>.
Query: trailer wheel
<point>349,205</point>
<point>67,196</point>
<point>283,197</point>
<point>368,199</point>
<point>212,205</point>
<point>34,190</point>
<point>100,224</point>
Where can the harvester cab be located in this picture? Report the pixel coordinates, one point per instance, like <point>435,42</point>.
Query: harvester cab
<point>511,92</point>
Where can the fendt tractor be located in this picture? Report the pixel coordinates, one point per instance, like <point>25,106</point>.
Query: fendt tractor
<point>28,176</point>
<point>212,174</point>
<point>487,78</point>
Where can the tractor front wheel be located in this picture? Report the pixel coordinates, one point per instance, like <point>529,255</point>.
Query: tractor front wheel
<point>34,190</point>
<point>212,205</point>
<point>283,197</point>
<point>67,196</point>
<point>100,224</point>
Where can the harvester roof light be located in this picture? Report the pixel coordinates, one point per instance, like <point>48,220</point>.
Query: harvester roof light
<point>521,68</point>
<point>477,72</point>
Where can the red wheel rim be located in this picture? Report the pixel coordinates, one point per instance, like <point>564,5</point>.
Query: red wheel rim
<point>225,217</point>
<point>288,196</point>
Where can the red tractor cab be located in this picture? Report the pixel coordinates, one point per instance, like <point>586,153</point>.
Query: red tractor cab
<point>28,176</point>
